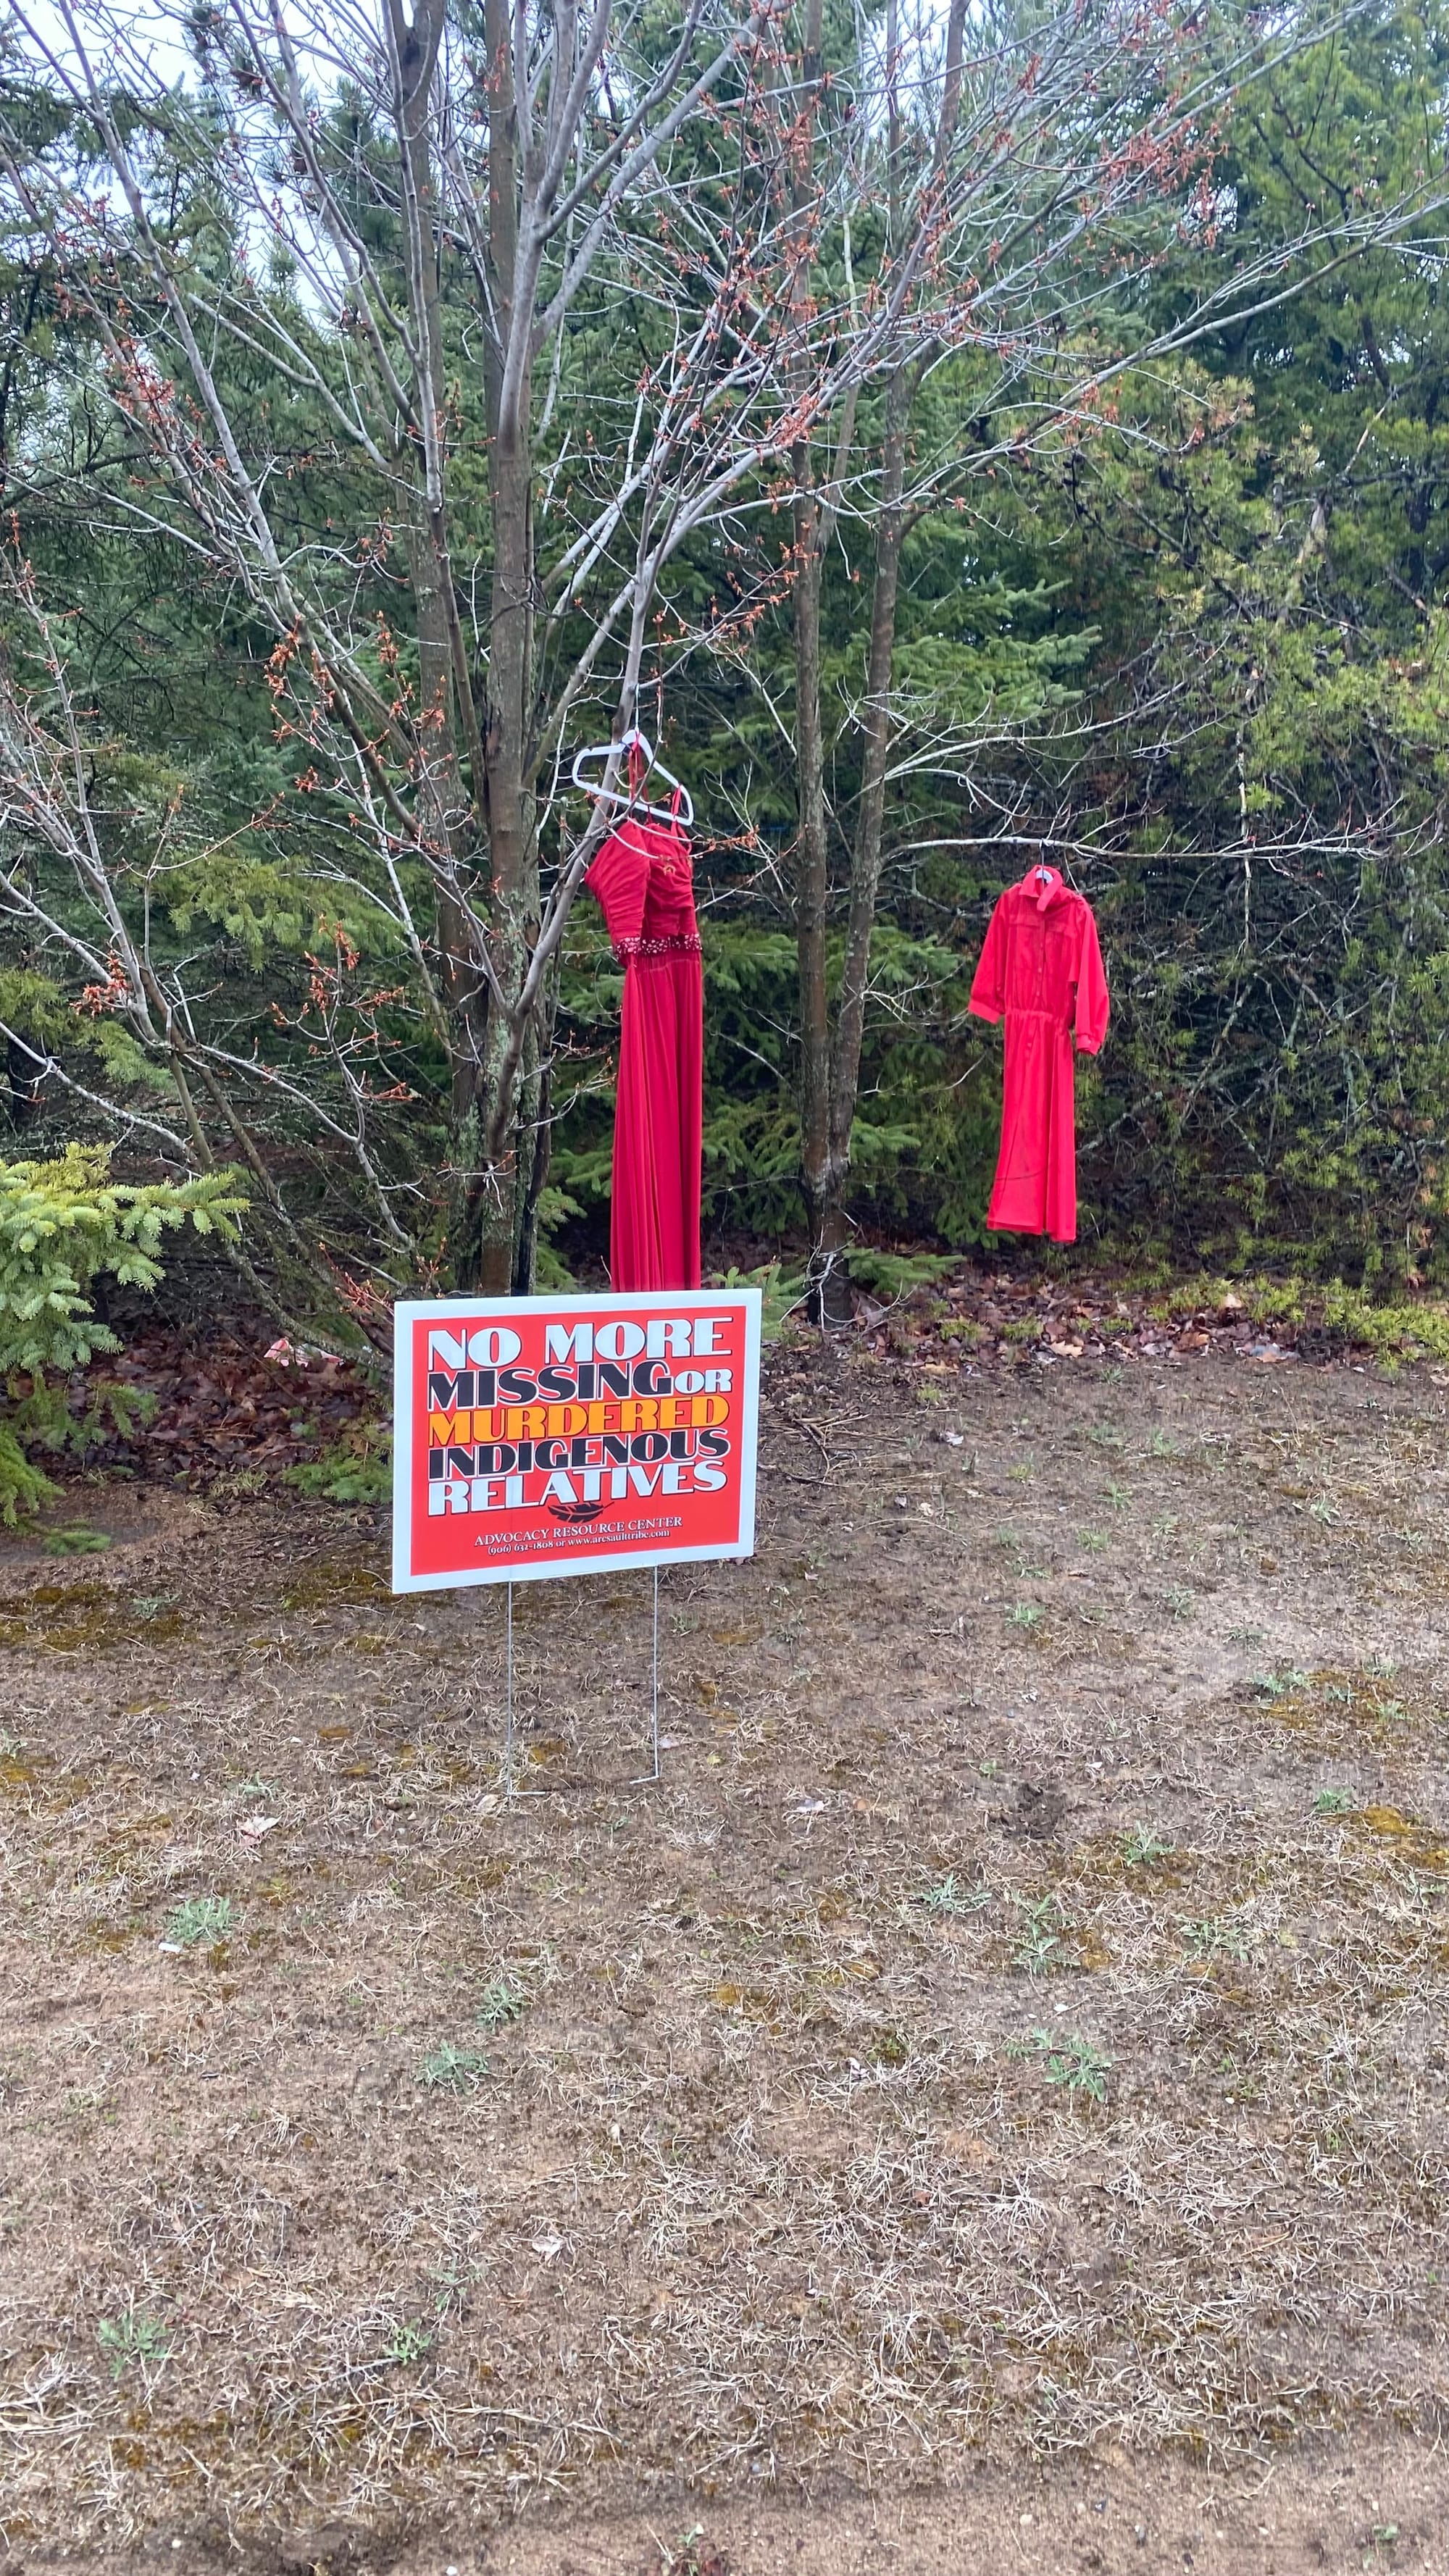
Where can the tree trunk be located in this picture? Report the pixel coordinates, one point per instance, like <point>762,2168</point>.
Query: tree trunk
<point>501,1193</point>
<point>812,875</point>
<point>828,1215</point>
<point>448,815</point>
<point>875,754</point>
<point>536,1120</point>
<point>812,860</point>
<point>443,814</point>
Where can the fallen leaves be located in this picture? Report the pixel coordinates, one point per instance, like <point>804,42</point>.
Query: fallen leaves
<point>221,1405</point>
<point>998,1322</point>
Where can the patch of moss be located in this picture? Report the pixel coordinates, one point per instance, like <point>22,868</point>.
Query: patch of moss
<point>65,1619</point>
<point>1416,1843</point>
<point>334,1581</point>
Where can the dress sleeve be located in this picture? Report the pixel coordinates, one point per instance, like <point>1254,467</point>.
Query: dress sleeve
<point>988,984</point>
<point>1093,1005</point>
<point>619,881</point>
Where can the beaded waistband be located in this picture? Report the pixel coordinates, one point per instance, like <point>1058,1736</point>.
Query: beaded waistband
<point>684,943</point>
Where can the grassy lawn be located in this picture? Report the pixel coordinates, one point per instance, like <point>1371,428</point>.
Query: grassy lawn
<point>1004,2060</point>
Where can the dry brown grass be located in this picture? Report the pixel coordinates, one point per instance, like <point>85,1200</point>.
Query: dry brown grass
<point>769,2177</point>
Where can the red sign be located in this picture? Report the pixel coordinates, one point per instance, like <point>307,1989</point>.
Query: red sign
<point>541,1436</point>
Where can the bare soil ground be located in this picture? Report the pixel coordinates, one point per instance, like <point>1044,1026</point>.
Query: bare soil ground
<point>986,2108</point>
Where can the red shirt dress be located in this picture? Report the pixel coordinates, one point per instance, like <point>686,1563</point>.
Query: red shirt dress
<point>1041,971</point>
<point>643,882</point>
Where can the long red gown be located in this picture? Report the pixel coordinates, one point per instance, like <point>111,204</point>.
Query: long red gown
<point>643,881</point>
<point>1041,971</point>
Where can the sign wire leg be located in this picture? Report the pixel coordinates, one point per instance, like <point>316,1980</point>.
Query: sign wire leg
<point>645,1777</point>
<point>511,1788</point>
<point>508,1719</point>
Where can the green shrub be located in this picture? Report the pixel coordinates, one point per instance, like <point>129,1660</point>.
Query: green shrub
<point>63,1225</point>
<point>356,1469</point>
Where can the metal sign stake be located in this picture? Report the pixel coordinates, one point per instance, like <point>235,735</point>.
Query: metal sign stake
<point>508,1722</point>
<point>646,1778</point>
<point>511,1788</point>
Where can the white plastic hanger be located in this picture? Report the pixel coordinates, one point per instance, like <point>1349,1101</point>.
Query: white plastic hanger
<point>623,795</point>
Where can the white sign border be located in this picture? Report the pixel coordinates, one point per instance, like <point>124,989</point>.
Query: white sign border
<point>410,1311</point>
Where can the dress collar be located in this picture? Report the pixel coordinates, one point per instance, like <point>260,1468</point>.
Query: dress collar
<point>1043,884</point>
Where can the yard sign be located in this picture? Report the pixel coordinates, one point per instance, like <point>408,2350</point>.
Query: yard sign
<point>542,1436</point>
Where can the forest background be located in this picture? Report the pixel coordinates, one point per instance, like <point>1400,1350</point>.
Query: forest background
<point>953,438</point>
